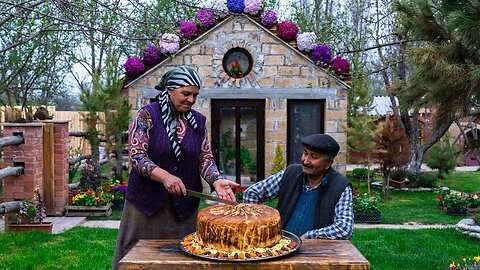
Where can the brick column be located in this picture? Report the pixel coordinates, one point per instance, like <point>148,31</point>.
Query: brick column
<point>61,177</point>
<point>30,154</point>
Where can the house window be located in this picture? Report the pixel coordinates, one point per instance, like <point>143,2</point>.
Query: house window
<point>305,117</point>
<point>237,62</point>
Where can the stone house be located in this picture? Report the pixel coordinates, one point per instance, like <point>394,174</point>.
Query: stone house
<point>281,97</point>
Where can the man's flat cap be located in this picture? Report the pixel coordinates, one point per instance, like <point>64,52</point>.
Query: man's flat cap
<point>322,143</point>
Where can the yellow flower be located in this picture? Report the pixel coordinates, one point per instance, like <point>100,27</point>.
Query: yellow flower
<point>452,264</point>
<point>477,258</point>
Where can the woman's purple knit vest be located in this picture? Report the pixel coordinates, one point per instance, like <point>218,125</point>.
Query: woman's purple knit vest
<point>149,196</point>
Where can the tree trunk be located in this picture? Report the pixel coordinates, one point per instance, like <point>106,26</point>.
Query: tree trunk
<point>416,158</point>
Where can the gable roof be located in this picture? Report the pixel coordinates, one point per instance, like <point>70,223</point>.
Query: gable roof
<point>255,21</point>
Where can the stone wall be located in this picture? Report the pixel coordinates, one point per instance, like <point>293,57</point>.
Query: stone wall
<point>280,72</point>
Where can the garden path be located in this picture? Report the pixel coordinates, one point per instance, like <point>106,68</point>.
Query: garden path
<point>61,224</point>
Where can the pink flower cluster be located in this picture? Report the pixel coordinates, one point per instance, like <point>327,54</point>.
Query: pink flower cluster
<point>287,30</point>
<point>252,7</point>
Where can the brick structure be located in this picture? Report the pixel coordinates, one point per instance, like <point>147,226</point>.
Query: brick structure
<point>279,73</point>
<point>32,156</point>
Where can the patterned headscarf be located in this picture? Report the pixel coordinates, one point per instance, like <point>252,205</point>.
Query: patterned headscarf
<point>173,79</point>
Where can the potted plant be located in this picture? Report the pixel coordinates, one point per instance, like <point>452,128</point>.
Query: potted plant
<point>473,202</point>
<point>441,193</point>
<point>456,204</point>
<point>31,215</point>
<point>365,207</point>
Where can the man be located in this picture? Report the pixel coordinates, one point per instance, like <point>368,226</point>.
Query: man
<point>315,201</point>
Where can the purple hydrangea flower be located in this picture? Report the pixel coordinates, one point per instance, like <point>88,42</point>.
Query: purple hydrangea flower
<point>341,66</point>
<point>269,18</point>
<point>152,55</point>
<point>188,29</point>
<point>252,7</point>
<point>134,67</point>
<point>287,30</point>
<point>170,43</point>
<point>205,18</point>
<point>221,9</point>
<point>306,41</point>
<point>236,6</point>
<point>321,55</point>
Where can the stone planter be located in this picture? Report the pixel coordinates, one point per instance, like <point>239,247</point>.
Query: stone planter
<point>367,217</point>
<point>456,211</point>
<point>45,227</point>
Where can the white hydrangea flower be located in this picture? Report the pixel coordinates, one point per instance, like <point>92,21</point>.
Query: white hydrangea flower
<point>220,8</point>
<point>306,41</point>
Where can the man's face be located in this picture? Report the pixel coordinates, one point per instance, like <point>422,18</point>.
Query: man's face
<point>314,163</point>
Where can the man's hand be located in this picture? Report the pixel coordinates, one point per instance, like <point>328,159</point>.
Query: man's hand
<point>224,190</point>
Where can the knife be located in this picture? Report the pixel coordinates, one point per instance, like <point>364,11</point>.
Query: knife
<point>208,197</point>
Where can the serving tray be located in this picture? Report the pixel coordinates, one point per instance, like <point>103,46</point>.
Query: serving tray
<point>223,256</point>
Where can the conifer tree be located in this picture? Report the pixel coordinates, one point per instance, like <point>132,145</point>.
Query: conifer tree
<point>279,162</point>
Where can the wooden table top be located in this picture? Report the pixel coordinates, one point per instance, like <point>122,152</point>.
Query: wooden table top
<point>313,254</point>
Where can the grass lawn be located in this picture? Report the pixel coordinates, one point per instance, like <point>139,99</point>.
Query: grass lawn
<point>462,181</point>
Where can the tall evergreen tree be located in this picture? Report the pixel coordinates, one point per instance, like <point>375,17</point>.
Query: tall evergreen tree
<point>446,64</point>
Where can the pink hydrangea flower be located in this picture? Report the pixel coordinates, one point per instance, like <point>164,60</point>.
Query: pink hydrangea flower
<point>341,66</point>
<point>252,7</point>
<point>287,30</point>
<point>306,41</point>
<point>170,43</point>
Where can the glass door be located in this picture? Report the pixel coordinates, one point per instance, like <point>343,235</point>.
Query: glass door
<point>238,140</point>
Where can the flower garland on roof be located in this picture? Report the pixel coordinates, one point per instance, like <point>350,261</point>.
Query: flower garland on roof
<point>205,18</point>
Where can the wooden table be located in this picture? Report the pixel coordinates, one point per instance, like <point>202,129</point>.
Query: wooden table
<point>313,254</point>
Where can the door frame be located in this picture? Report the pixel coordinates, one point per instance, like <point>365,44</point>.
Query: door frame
<point>216,104</point>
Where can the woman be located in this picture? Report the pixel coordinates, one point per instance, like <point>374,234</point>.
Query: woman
<point>169,152</point>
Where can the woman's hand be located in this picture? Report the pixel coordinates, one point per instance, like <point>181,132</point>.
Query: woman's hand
<point>173,184</point>
<point>224,190</point>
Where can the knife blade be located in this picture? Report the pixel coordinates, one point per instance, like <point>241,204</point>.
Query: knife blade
<point>200,195</point>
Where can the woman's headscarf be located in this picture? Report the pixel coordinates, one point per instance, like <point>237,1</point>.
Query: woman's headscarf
<point>171,80</point>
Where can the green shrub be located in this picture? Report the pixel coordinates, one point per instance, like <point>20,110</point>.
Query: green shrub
<point>422,180</point>
<point>443,156</point>
<point>362,173</point>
